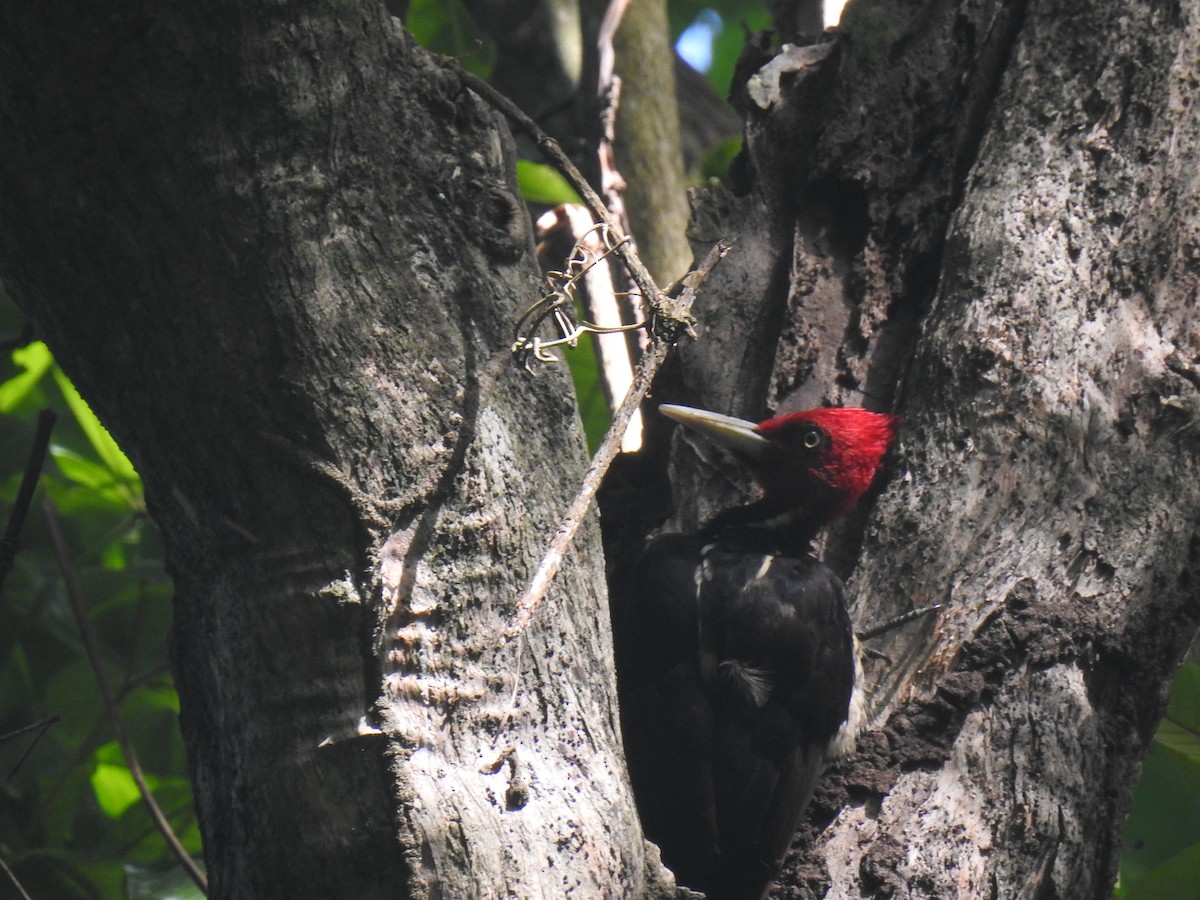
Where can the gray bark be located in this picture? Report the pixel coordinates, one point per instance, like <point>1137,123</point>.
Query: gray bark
<point>279,251</point>
<point>1059,417</point>
<point>982,216</point>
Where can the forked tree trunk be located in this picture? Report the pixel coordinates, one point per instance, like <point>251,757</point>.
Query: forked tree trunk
<point>277,249</point>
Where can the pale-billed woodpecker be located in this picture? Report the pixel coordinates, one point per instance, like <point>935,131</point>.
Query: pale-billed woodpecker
<point>736,658</point>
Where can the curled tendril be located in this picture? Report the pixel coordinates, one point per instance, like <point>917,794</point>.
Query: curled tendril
<point>558,303</point>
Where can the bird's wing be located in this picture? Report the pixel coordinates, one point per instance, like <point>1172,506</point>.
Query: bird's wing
<point>786,618</point>
<point>666,715</point>
<point>735,671</point>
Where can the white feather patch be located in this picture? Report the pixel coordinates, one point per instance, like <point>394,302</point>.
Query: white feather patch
<point>754,684</point>
<point>843,742</point>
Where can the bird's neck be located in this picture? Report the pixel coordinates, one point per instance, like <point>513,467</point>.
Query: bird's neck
<point>761,527</point>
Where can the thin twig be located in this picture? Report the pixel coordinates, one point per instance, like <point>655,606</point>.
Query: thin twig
<point>40,727</point>
<point>587,268</point>
<point>895,622</point>
<point>13,878</point>
<point>592,244</point>
<point>33,471</point>
<point>110,704</point>
<point>671,316</point>
<point>529,602</point>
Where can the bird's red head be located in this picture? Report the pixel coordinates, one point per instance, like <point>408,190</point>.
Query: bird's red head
<point>843,448</point>
<point>812,465</point>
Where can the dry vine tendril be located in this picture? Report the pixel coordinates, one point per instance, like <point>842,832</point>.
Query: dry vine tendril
<point>559,304</point>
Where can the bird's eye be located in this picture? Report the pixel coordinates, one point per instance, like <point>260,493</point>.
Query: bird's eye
<point>812,440</point>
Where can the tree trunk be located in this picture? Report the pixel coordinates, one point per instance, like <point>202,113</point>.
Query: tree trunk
<point>1059,370</point>
<point>982,216</point>
<point>279,251</point>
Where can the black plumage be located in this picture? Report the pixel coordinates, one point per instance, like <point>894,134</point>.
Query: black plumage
<point>735,653</point>
<point>736,669</point>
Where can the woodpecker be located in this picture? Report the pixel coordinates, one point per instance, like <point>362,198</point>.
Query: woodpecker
<point>736,659</point>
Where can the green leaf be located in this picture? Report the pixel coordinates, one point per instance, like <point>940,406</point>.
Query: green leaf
<point>71,692</point>
<point>36,360</point>
<point>70,817</point>
<point>1180,739</point>
<point>427,20</point>
<point>445,27</point>
<point>540,183</point>
<point>1161,857</point>
<point>113,557</point>
<point>102,442</point>
<point>1175,879</point>
<point>1180,729</point>
<point>112,781</point>
<point>1164,817</point>
<point>81,470</point>
<point>98,479</point>
<point>593,407</point>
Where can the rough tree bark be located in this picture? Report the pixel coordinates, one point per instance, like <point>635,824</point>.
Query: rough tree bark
<point>983,216</point>
<point>279,250</point>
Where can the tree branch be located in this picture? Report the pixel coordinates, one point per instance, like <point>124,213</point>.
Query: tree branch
<point>672,315</point>
<point>13,878</point>
<point>647,368</point>
<point>40,727</point>
<point>110,704</point>
<point>29,481</point>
